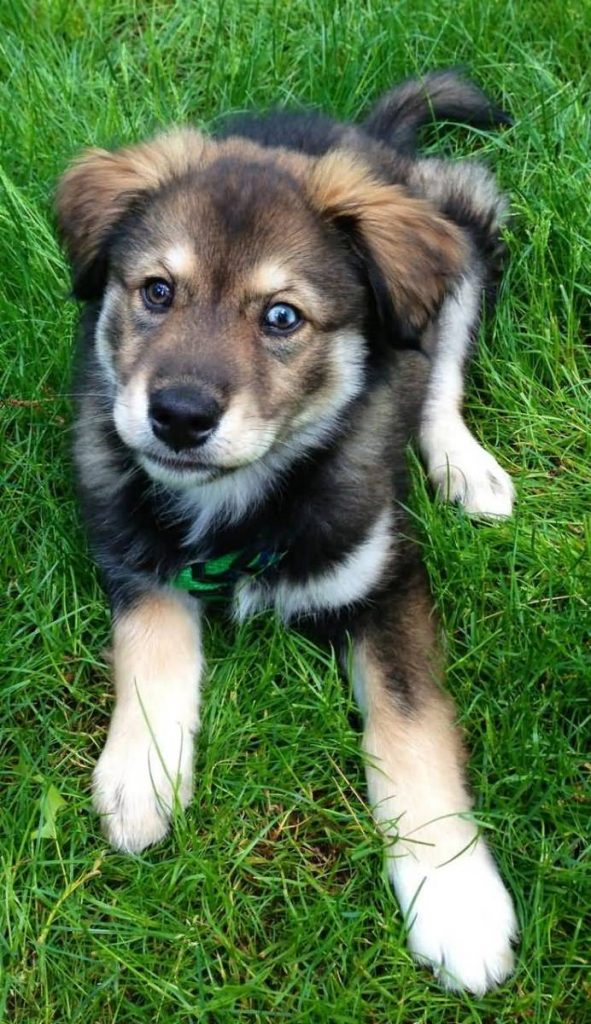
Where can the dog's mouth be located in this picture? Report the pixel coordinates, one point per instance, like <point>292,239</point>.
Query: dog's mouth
<point>180,464</point>
<point>184,468</point>
<point>181,469</point>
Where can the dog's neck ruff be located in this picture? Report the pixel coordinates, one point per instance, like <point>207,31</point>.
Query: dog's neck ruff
<point>215,578</point>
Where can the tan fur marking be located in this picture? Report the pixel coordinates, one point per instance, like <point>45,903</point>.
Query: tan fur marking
<point>269,278</point>
<point>459,916</point>
<point>147,761</point>
<point>180,260</point>
<point>414,768</point>
<point>420,252</point>
<point>243,434</point>
<point>286,284</point>
<point>153,641</point>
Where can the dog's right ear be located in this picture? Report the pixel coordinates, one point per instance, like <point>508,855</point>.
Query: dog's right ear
<point>101,186</point>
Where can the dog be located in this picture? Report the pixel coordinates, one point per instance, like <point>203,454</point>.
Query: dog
<point>271,314</point>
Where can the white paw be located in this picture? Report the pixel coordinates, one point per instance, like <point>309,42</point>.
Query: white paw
<point>463,471</point>
<point>460,917</point>
<point>138,781</point>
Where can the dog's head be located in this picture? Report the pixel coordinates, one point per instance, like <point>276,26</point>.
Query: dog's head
<point>236,285</point>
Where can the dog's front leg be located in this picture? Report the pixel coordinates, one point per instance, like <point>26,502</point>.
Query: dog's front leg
<point>459,467</point>
<point>146,765</point>
<point>459,915</point>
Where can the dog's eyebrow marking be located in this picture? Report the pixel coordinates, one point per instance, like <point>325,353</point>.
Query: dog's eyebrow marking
<point>268,278</point>
<point>180,259</point>
<point>271,278</point>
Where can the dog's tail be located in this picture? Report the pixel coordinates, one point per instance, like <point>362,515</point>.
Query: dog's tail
<point>440,96</point>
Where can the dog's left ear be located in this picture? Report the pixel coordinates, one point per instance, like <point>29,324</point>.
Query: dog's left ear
<point>418,253</point>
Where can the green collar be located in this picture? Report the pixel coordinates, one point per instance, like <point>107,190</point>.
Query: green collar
<point>215,578</point>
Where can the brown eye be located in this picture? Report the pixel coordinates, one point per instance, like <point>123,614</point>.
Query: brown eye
<point>157,294</point>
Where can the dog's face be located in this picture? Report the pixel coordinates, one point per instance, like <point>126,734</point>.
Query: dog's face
<point>236,285</point>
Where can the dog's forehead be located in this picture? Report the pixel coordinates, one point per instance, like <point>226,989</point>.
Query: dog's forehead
<point>231,215</point>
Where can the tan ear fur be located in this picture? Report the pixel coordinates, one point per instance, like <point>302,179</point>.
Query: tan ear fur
<point>419,252</point>
<point>98,188</point>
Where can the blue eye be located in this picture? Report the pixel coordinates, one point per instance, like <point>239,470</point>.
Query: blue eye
<point>157,294</point>
<point>281,319</point>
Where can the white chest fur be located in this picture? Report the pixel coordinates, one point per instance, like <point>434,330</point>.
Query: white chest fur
<point>347,581</point>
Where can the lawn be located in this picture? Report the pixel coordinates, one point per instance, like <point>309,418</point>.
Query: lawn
<point>268,901</point>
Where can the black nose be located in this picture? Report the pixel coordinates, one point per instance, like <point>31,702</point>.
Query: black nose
<point>183,417</point>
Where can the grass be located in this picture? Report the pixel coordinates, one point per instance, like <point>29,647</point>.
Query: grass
<point>267,902</point>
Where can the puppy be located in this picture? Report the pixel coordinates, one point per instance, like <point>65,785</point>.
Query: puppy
<point>271,315</point>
